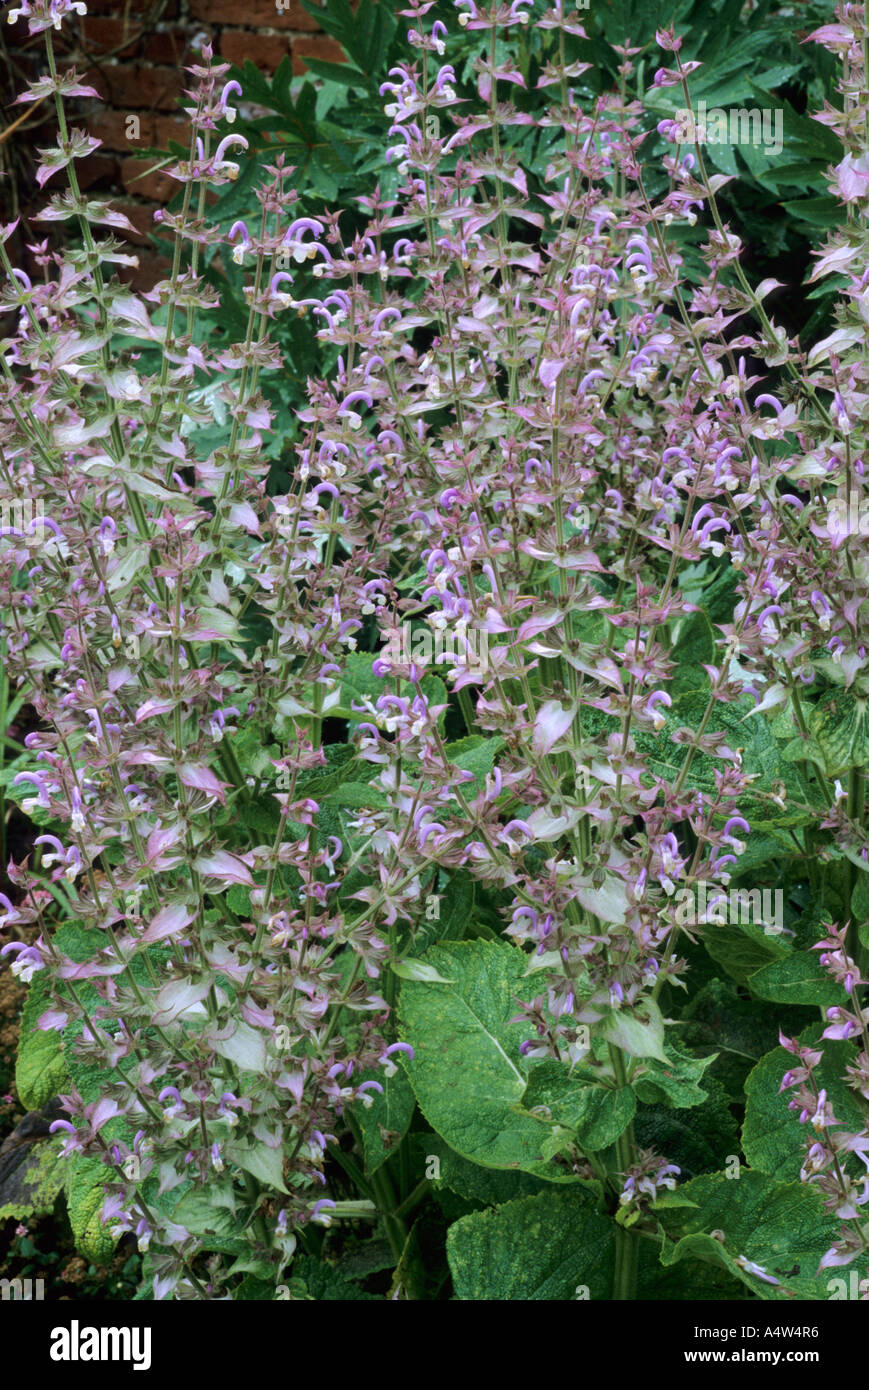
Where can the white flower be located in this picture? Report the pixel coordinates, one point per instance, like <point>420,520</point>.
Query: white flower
<point>24,969</point>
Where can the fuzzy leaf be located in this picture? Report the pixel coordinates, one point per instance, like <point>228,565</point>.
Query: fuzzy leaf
<point>535,1248</point>
<point>780,1227</point>
<point>596,1114</point>
<point>467,1072</point>
<point>84,1199</point>
<point>773,1139</point>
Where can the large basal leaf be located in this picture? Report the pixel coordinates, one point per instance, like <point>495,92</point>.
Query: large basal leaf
<point>40,1067</point>
<point>742,948</point>
<point>544,1247</point>
<point>467,1071</point>
<point>85,1179</point>
<point>797,979</point>
<point>782,1228</point>
<point>839,734</point>
<point>326,1284</point>
<point>773,1139</point>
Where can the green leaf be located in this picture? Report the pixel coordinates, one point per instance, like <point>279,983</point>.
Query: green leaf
<point>781,1227</point>
<point>675,1082</point>
<point>84,1183</point>
<point>694,648</point>
<point>40,1067</point>
<point>742,948</point>
<point>417,1274</point>
<point>263,1162</point>
<point>456,906</point>
<point>355,794</point>
<point>797,979</point>
<point>252,1288</point>
<point>837,725</point>
<point>203,1216</point>
<point>344,73</point>
<point>773,1139</point>
<point>467,1072</point>
<point>475,754</point>
<point>823,211</point>
<point>385,1122</point>
<point>543,1247</point>
<point>598,1115</point>
<point>324,1283</point>
<point>639,1032</point>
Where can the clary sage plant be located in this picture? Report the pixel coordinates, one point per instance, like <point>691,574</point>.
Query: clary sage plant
<point>471,837</point>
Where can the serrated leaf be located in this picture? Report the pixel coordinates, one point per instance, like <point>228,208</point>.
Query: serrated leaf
<point>675,1082</point>
<point>797,979</point>
<point>85,1179</point>
<point>697,1140</point>
<point>773,1139</point>
<point>40,1068</point>
<point>489,1186</point>
<point>467,1072</point>
<point>541,1247</point>
<point>325,1284</point>
<point>776,1226</point>
<point>742,948</point>
<point>596,1114</point>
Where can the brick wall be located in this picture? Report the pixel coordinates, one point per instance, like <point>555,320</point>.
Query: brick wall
<point>133,52</point>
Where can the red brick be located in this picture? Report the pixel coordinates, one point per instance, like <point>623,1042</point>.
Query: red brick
<point>168,128</point>
<point>317,46</point>
<point>145,181</point>
<point>141,214</point>
<point>97,170</point>
<point>170,46</point>
<point>111,127</point>
<point>131,87</point>
<point>151,268</point>
<point>145,8</point>
<point>263,50</point>
<point>258,14</point>
<point>100,34</point>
